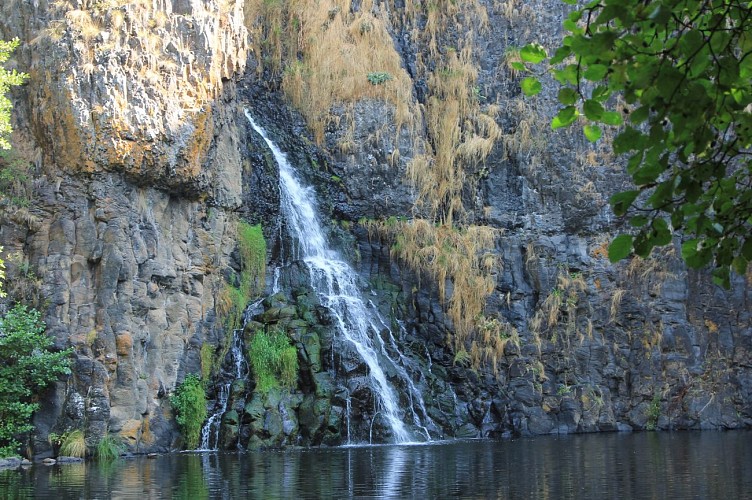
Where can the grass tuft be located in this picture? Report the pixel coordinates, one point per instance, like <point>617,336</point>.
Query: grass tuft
<point>273,360</point>
<point>73,444</point>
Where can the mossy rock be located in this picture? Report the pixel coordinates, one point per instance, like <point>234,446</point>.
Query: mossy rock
<point>255,408</point>
<point>238,388</point>
<point>230,418</point>
<point>276,301</point>
<point>312,347</point>
<point>287,312</point>
<point>252,327</point>
<point>324,385</point>
<point>271,315</point>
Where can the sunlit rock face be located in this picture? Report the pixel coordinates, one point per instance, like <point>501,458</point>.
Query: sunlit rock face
<point>129,121</point>
<point>143,162</point>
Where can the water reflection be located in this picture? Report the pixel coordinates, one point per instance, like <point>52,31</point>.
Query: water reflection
<point>651,465</point>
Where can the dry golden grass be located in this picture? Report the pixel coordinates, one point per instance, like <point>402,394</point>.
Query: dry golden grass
<point>326,53</point>
<point>461,258</point>
<point>137,34</point>
<point>564,298</point>
<point>616,299</point>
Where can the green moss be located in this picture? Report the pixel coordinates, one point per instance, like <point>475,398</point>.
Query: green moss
<point>273,360</point>
<point>189,403</point>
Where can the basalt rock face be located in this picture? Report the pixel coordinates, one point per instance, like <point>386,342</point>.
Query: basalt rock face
<point>133,123</point>
<point>137,143</point>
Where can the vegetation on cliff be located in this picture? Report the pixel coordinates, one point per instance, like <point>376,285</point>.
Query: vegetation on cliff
<point>273,360</point>
<point>189,403</point>
<point>27,365</point>
<point>7,79</point>
<point>680,74</point>
<point>249,284</point>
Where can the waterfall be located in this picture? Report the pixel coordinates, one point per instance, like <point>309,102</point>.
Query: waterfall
<point>238,371</point>
<point>335,282</point>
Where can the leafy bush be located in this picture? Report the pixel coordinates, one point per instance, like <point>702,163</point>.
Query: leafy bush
<point>274,360</point>
<point>27,365</point>
<point>109,448</point>
<point>189,403</point>
<point>73,444</point>
<point>378,77</point>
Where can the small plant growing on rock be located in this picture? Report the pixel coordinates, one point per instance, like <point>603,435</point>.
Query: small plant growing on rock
<point>654,411</point>
<point>274,360</point>
<point>378,77</point>
<point>189,403</point>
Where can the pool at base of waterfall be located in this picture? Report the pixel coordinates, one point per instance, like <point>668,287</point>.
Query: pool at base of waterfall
<point>707,464</point>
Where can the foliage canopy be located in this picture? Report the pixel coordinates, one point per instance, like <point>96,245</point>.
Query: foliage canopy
<point>27,365</point>
<point>7,79</point>
<point>676,77</point>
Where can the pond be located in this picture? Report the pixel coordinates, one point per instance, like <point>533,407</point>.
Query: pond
<point>641,465</point>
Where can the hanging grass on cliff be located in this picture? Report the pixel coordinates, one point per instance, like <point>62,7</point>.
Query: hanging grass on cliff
<point>234,297</point>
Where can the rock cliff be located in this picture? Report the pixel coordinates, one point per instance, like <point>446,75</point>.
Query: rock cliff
<point>132,127</point>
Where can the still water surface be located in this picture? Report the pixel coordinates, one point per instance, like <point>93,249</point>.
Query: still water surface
<point>619,466</point>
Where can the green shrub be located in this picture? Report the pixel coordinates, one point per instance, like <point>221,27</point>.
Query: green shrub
<point>378,77</point>
<point>189,403</point>
<point>273,360</point>
<point>109,448</point>
<point>73,444</point>
<point>27,365</point>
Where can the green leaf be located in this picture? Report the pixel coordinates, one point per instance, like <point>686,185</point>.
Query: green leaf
<point>722,277</point>
<point>531,86</point>
<point>611,118</point>
<point>638,221</point>
<point>620,247</point>
<point>661,233</point>
<point>518,66</point>
<point>601,93</point>
<point>593,110</point>
<point>692,256</point>
<point>561,53</point>
<point>565,117</point>
<point>740,265</point>
<point>620,202</point>
<point>592,132</point>
<point>596,72</point>
<point>567,96</point>
<point>639,115</point>
<point>533,53</point>
<point>747,248</point>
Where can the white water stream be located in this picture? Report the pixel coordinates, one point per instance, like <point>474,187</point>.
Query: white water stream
<point>210,430</point>
<point>335,282</point>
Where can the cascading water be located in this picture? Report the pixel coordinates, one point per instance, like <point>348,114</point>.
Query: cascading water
<point>335,282</point>
<point>238,371</point>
